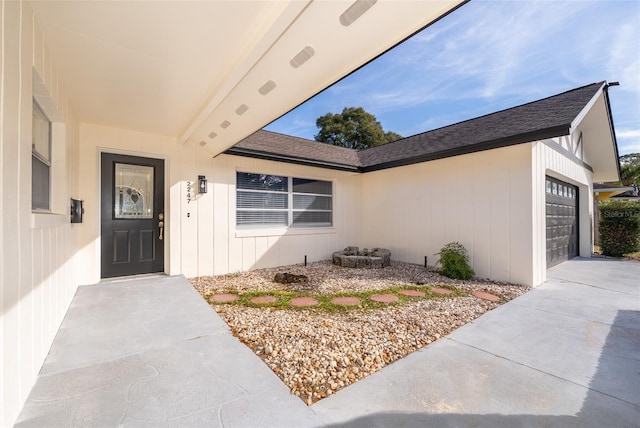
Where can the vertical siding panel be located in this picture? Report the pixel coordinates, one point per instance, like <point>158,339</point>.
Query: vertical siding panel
<point>480,187</point>
<point>13,390</point>
<point>273,254</point>
<point>464,203</point>
<point>500,222</point>
<point>248,253</point>
<point>205,232</point>
<point>262,247</point>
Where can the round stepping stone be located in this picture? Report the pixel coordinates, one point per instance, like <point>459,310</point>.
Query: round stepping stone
<point>303,301</point>
<point>439,290</point>
<point>486,296</point>
<point>263,299</point>
<point>347,301</point>
<point>384,298</point>
<point>412,293</point>
<point>223,298</point>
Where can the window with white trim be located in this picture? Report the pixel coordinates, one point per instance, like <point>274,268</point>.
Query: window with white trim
<point>40,160</point>
<point>272,200</point>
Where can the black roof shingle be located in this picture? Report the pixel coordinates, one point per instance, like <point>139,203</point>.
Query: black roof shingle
<point>545,118</point>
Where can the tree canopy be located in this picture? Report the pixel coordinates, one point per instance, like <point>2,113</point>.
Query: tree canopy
<point>354,128</point>
<point>630,169</point>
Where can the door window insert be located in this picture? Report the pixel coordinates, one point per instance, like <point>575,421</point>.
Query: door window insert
<point>133,191</point>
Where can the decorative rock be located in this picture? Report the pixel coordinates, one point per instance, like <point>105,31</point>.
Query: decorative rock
<point>347,301</point>
<point>263,299</point>
<point>290,278</point>
<point>439,290</point>
<point>486,296</point>
<point>223,298</point>
<point>351,251</point>
<point>350,257</point>
<point>384,298</point>
<point>412,293</point>
<point>303,301</point>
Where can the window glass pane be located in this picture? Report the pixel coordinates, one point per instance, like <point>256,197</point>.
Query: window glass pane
<point>311,218</point>
<point>302,185</point>
<point>554,188</point>
<point>41,134</point>
<point>548,186</point>
<point>270,218</point>
<point>274,183</point>
<point>40,185</point>
<point>247,199</point>
<point>311,202</point>
<point>133,191</point>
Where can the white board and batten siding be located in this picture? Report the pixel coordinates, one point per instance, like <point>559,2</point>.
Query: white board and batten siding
<point>482,200</point>
<point>37,258</point>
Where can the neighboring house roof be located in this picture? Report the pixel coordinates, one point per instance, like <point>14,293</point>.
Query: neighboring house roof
<point>546,118</point>
<point>610,187</point>
<point>606,191</point>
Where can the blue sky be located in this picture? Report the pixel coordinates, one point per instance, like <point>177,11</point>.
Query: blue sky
<point>490,55</point>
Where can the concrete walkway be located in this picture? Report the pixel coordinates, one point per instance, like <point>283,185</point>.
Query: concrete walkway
<point>150,352</point>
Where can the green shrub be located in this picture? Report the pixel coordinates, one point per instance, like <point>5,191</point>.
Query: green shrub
<point>454,260</point>
<point>619,227</point>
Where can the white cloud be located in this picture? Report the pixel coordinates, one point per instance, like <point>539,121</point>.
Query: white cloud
<point>628,133</point>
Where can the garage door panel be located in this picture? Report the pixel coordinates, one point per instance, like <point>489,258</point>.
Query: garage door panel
<point>562,221</point>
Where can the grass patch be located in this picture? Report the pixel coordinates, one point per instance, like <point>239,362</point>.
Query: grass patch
<point>283,298</point>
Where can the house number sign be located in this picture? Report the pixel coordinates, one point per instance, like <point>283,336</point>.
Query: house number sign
<point>189,192</point>
<point>189,195</point>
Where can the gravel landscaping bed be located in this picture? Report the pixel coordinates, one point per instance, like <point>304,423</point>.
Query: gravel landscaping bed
<point>317,352</point>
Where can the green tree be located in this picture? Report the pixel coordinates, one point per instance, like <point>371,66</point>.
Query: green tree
<point>630,169</point>
<point>354,128</point>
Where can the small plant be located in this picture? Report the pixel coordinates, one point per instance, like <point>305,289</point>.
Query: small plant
<point>454,260</point>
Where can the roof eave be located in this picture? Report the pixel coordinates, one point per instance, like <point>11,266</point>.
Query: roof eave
<point>553,132</point>
<point>612,128</point>
<point>257,154</point>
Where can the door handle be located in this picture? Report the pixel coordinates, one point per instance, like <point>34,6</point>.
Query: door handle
<point>161,226</point>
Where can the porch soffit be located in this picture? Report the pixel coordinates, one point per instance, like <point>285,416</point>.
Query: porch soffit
<point>197,70</point>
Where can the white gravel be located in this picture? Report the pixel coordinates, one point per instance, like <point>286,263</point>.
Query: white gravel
<point>317,352</point>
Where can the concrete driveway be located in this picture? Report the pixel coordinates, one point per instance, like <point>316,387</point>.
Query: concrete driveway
<point>152,353</point>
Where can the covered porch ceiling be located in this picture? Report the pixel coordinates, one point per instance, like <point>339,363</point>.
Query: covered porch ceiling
<point>212,72</point>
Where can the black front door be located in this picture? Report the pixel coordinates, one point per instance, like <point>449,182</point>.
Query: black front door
<point>132,225</point>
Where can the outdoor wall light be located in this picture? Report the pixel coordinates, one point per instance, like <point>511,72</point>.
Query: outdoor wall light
<point>202,184</point>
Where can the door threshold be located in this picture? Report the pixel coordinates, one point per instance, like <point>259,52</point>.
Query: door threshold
<point>132,277</point>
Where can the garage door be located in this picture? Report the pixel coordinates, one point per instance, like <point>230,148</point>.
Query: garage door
<point>562,221</point>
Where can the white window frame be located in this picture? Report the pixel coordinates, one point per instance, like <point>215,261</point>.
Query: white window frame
<point>290,210</point>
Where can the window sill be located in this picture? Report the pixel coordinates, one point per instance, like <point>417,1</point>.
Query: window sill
<point>283,231</point>
<point>41,220</point>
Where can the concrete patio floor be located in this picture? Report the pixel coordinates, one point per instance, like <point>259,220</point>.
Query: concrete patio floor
<point>151,352</point>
